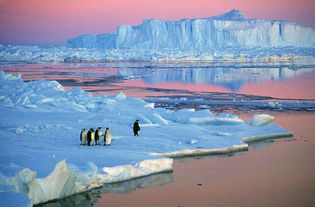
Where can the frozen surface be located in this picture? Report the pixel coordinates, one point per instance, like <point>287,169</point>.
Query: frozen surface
<point>57,54</point>
<point>204,103</point>
<point>229,30</point>
<point>40,126</point>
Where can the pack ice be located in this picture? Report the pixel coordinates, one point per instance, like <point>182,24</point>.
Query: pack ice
<point>42,159</point>
<point>229,30</point>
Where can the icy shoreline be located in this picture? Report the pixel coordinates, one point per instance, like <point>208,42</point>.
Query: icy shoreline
<point>41,124</point>
<point>267,104</point>
<point>62,54</point>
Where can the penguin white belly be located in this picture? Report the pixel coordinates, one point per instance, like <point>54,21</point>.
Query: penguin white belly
<point>92,139</point>
<point>84,138</point>
<point>108,138</point>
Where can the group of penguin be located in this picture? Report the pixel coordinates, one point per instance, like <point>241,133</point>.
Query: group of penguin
<point>92,137</point>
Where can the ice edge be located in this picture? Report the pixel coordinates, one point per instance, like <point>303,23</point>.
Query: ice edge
<point>203,152</point>
<point>265,137</point>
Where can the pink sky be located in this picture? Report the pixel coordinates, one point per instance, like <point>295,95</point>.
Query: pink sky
<point>53,21</point>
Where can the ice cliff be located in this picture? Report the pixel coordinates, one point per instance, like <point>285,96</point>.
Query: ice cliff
<point>229,30</point>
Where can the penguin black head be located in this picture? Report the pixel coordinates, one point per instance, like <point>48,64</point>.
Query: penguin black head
<point>107,128</point>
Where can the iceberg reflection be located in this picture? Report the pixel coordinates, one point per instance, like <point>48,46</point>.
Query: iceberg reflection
<point>232,78</point>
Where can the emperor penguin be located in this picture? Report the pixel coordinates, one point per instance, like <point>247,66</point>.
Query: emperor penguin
<point>136,128</point>
<point>98,135</point>
<point>90,137</point>
<point>107,137</point>
<point>83,136</point>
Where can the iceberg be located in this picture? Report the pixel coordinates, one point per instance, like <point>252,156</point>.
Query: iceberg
<point>229,30</point>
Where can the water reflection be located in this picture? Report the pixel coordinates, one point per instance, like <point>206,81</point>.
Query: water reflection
<point>142,80</point>
<point>231,78</point>
<point>89,198</point>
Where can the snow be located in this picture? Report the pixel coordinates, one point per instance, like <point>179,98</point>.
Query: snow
<point>42,158</point>
<point>229,30</point>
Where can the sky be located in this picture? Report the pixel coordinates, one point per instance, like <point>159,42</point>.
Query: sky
<point>43,22</point>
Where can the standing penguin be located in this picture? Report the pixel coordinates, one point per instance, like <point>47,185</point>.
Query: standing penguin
<point>136,128</point>
<point>107,137</point>
<point>90,137</point>
<point>83,137</point>
<point>98,135</point>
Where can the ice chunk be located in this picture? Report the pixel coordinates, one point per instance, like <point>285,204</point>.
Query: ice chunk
<point>149,105</point>
<point>64,181</point>
<point>6,76</point>
<point>261,119</point>
<point>60,183</point>
<point>120,96</point>
<point>141,169</point>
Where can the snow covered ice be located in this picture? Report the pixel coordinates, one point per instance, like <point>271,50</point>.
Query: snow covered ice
<point>59,54</point>
<point>42,157</point>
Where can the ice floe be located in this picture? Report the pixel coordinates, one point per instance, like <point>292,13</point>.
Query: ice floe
<point>42,157</point>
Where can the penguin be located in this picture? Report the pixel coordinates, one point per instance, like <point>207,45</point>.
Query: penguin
<point>136,128</point>
<point>89,137</point>
<point>83,137</point>
<point>92,137</point>
<point>98,135</point>
<point>107,137</point>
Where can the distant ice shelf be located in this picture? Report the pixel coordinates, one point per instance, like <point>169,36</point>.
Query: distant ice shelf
<point>229,30</point>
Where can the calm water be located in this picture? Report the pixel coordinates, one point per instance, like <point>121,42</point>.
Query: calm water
<point>275,173</point>
<point>143,80</point>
